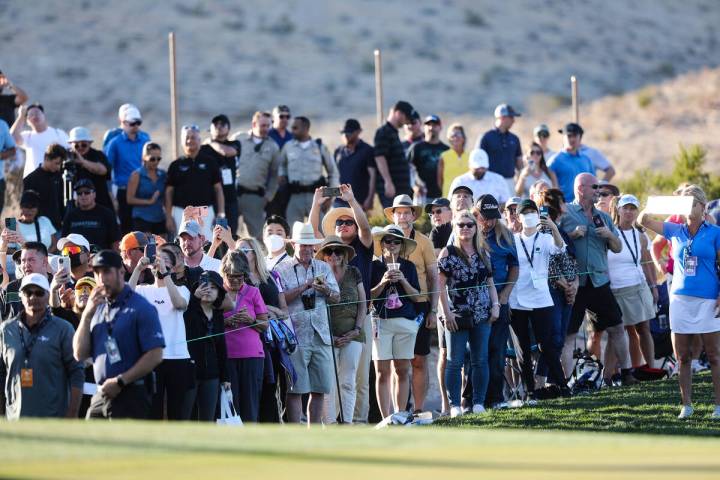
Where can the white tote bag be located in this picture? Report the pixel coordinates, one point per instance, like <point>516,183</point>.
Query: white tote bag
<point>228,415</point>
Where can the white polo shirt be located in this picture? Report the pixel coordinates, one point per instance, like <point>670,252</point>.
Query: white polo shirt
<point>532,290</point>
<point>492,183</point>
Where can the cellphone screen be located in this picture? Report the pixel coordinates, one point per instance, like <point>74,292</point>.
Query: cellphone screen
<point>330,192</point>
<point>598,221</point>
<point>11,223</point>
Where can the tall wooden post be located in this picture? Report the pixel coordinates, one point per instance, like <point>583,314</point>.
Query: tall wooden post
<point>575,99</point>
<point>378,88</point>
<point>173,96</point>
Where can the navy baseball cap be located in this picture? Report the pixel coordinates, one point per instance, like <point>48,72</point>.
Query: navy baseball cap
<point>438,202</point>
<point>432,119</point>
<point>107,259</point>
<point>351,126</point>
<point>222,119</point>
<point>488,207</point>
<point>572,129</point>
<point>84,183</point>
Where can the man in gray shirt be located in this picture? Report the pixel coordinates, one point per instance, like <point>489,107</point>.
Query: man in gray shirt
<point>37,368</point>
<point>593,234</point>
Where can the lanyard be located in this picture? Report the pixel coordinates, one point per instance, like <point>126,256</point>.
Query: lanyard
<point>109,306</point>
<point>688,248</point>
<point>312,269</point>
<point>527,255</point>
<point>27,347</point>
<point>636,254</point>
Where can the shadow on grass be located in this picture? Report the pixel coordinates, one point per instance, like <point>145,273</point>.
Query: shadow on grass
<point>649,408</point>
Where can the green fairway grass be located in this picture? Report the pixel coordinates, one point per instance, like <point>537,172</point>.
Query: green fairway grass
<point>128,450</point>
<point>651,407</point>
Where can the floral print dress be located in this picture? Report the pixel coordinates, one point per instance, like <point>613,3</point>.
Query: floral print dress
<point>467,284</point>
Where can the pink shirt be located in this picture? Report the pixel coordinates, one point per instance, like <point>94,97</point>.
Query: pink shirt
<point>246,343</point>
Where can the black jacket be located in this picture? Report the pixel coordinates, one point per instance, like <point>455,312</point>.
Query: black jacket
<point>210,354</point>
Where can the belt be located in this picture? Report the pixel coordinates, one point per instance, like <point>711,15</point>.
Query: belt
<point>242,191</point>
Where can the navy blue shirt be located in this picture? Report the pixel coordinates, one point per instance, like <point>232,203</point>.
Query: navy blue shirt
<point>387,144</point>
<point>135,328</point>
<point>353,168</point>
<point>502,149</point>
<point>502,257</point>
<point>426,157</point>
<point>281,141</point>
<point>407,310</point>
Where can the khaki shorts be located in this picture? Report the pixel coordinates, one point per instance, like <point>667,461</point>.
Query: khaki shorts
<point>395,339</point>
<point>314,368</point>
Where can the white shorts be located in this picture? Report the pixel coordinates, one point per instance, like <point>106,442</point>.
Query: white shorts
<point>693,315</point>
<point>395,339</point>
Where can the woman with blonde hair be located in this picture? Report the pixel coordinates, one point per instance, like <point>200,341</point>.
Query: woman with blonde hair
<point>470,305</point>
<point>694,293</point>
<point>456,155</point>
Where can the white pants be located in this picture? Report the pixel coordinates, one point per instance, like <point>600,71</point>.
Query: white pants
<point>362,380</point>
<point>207,226</point>
<point>347,359</point>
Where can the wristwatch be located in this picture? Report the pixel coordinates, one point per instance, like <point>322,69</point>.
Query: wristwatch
<point>160,275</point>
<point>120,381</point>
<point>434,310</point>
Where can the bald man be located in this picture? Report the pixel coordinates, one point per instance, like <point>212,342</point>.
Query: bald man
<point>594,234</point>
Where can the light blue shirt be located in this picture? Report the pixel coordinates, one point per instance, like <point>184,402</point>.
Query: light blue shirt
<point>705,245</point>
<point>567,166</point>
<point>6,142</point>
<point>125,156</point>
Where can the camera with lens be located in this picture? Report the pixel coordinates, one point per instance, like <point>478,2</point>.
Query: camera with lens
<point>308,300</point>
<point>69,166</point>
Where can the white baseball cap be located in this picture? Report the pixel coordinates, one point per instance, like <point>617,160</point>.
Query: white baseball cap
<point>131,113</point>
<point>628,199</point>
<point>478,159</point>
<point>37,279</point>
<point>75,239</point>
<point>80,134</point>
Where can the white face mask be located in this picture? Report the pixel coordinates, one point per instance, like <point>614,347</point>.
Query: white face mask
<point>274,243</point>
<point>530,220</point>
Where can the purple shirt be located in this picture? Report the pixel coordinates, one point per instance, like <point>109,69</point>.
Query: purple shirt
<point>246,343</point>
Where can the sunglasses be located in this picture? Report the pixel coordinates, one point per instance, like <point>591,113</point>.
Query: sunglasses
<point>247,250</point>
<point>543,135</point>
<point>391,241</point>
<point>67,251</point>
<point>536,152</point>
<point>235,278</point>
<point>605,194</point>
<point>594,186</point>
<point>83,289</point>
<point>339,252</point>
<point>136,123</point>
<point>344,223</point>
<point>154,159</point>
<point>82,193</point>
<point>193,128</point>
<point>466,225</point>
<point>31,292</point>
<point>82,144</point>
<point>284,117</point>
<point>512,210</point>
<point>437,212</point>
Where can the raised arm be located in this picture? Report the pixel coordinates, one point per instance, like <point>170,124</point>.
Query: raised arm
<point>647,222</point>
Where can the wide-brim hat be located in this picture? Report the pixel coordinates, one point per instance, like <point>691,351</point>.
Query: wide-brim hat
<point>333,241</point>
<point>304,234</point>
<point>328,223</point>
<point>378,234</point>
<point>402,201</point>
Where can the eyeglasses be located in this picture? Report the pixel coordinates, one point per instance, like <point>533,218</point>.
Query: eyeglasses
<point>437,212</point>
<point>536,152</point>
<point>81,144</point>
<point>154,159</point>
<point>31,292</point>
<point>67,251</point>
<point>466,225</point>
<point>391,241</point>
<point>344,223</point>
<point>339,252</point>
<point>605,194</point>
<point>235,278</point>
<point>543,135</point>
<point>82,193</point>
<point>135,123</point>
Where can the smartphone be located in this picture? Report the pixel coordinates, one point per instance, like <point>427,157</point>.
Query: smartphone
<point>151,249</point>
<point>597,221</point>
<point>222,221</point>
<point>544,211</point>
<point>64,264</point>
<point>331,191</point>
<point>204,279</point>
<point>11,223</point>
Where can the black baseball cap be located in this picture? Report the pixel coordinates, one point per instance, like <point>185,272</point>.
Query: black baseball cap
<point>407,109</point>
<point>432,119</point>
<point>107,259</point>
<point>462,188</point>
<point>221,119</point>
<point>572,129</point>
<point>281,109</point>
<point>527,204</point>
<point>351,126</point>
<point>30,199</point>
<point>488,207</point>
<point>84,183</point>
<point>35,105</point>
<point>438,202</point>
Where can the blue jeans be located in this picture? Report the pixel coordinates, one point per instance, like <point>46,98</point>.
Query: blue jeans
<point>478,338</point>
<point>561,319</point>
<point>499,334</point>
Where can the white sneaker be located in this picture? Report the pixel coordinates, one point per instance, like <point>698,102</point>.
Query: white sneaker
<point>697,366</point>
<point>716,412</point>
<point>479,409</point>
<point>455,412</point>
<point>686,412</point>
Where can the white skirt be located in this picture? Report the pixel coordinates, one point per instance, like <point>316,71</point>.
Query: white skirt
<point>693,315</point>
